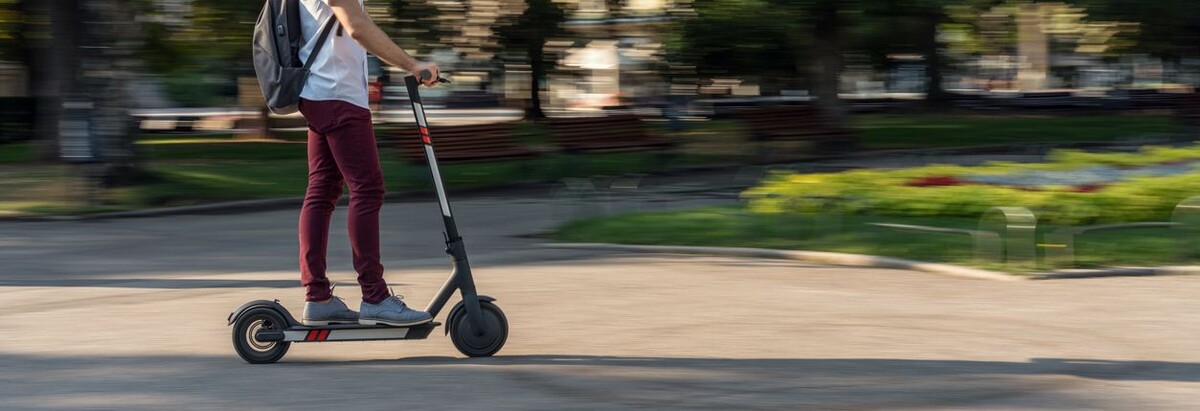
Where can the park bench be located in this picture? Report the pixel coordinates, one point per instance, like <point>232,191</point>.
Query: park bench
<point>16,118</point>
<point>1152,98</point>
<point>619,133</point>
<point>1188,110</point>
<point>794,123</point>
<point>463,144</point>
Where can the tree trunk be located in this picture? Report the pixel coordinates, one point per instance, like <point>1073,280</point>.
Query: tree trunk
<point>827,58</point>
<point>108,61</point>
<point>51,61</point>
<point>935,94</point>
<point>536,73</point>
<point>264,122</point>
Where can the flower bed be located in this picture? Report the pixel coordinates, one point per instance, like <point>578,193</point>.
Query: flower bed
<point>1072,187</point>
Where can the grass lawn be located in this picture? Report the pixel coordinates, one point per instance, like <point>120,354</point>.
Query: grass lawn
<point>16,153</point>
<point>951,130</point>
<point>205,170</point>
<point>732,227</point>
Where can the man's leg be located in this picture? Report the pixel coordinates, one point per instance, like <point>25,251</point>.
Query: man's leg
<point>352,142</point>
<point>324,189</point>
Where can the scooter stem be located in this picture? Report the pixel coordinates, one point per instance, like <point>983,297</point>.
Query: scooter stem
<point>460,275</point>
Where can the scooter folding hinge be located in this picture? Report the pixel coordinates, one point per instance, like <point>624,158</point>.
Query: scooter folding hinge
<point>454,246</point>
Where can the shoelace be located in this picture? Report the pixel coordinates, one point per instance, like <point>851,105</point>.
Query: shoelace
<point>399,298</point>
<point>334,287</point>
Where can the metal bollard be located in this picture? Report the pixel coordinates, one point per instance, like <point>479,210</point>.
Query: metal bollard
<point>1019,228</point>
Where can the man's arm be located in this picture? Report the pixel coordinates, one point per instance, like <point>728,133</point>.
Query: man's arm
<point>362,29</point>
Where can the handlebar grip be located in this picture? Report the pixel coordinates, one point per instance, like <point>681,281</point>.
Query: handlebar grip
<point>425,74</point>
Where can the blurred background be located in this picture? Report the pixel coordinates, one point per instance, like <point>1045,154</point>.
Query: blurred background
<point>145,193</point>
<point>1081,112</point>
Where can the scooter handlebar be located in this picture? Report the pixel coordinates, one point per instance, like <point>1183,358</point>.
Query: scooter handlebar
<point>425,74</point>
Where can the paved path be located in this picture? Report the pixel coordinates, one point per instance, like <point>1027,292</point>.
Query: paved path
<point>130,314</point>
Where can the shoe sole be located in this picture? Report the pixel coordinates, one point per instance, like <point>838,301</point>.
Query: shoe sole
<point>308,323</point>
<point>367,321</point>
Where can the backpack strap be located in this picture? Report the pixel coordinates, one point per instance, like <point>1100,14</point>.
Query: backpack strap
<point>333,21</point>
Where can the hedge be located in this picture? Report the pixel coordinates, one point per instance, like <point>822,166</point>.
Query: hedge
<point>947,190</point>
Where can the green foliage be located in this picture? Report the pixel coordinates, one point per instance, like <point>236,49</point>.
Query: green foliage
<point>196,87</point>
<point>1167,28</point>
<point>888,191</point>
<point>764,45</point>
<point>222,30</point>
<point>733,227</point>
<point>199,55</point>
<point>11,22</point>
<point>16,153</point>
<point>947,130</point>
<point>414,25</point>
<point>541,20</point>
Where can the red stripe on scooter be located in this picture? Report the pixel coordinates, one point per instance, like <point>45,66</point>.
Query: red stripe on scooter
<point>312,334</point>
<point>425,135</point>
<point>323,335</point>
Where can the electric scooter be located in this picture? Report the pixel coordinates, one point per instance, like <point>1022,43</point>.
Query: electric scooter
<point>264,330</point>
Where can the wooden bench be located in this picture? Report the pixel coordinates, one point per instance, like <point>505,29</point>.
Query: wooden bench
<point>1188,110</point>
<point>617,133</point>
<point>794,123</point>
<point>463,144</point>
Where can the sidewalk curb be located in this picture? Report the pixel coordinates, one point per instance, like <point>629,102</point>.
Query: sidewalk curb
<point>1117,272</point>
<point>861,260</point>
<point>223,207</point>
<point>820,257</point>
<point>229,207</point>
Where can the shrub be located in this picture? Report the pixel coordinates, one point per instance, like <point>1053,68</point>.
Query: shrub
<point>940,190</point>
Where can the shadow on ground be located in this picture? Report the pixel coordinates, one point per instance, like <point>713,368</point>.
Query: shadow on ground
<point>580,382</point>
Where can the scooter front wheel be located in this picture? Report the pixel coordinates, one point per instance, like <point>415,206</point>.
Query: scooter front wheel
<point>482,345</point>
<point>245,332</point>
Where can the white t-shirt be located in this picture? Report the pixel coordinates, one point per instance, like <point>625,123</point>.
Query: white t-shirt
<point>340,70</point>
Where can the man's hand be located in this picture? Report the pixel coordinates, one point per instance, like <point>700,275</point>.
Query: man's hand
<point>433,70</point>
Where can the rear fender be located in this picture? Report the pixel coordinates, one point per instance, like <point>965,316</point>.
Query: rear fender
<point>274,305</point>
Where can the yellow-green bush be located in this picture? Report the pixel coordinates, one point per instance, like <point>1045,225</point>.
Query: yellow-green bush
<point>888,191</point>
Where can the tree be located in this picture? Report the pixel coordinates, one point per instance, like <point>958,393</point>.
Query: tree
<point>83,52</point>
<point>827,28</point>
<point>542,20</point>
<point>413,24</point>
<point>770,44</point>
<point>778,42</point>
<point>107,60</point>
<point>50,44</point>
<point>1168,29</point>
<point>11,22</point>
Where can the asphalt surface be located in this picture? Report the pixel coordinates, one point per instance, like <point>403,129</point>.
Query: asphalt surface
<point>130,314</point>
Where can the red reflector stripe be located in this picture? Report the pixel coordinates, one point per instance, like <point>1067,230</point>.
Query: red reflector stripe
<point>312,334</point>
<point>323,335</point>
<point>425,135</point>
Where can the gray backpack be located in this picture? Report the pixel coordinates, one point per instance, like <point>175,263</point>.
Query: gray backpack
<point>277,42</point>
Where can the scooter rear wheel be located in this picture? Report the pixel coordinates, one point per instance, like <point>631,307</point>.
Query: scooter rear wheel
<point>486,344</point>
<point>247,327</point>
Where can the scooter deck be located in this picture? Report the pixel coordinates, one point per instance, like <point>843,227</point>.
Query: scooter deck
<point>347,332</point>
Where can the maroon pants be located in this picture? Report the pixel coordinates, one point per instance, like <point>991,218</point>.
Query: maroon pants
<point>341,148</point>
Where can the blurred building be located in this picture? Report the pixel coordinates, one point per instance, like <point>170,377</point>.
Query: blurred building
<point>615,56</point>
